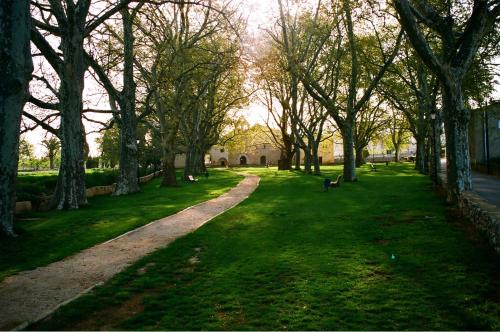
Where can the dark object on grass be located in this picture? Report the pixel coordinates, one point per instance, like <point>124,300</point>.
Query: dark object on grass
<point>386,163</point>
<point>206,174</point>
<point>326,184</point>
<point>373,168</point>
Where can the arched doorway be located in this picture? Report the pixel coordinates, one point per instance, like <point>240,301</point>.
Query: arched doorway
<point>263,160</point>
<point>243,160</point>
<point>223,162</point>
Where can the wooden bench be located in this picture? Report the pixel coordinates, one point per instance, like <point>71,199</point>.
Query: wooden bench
<point>336,183</point>
<point>373,168</point>
<point>192,179</point>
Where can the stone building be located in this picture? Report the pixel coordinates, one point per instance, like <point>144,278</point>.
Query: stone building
<point>484,138</point>
<point>266,154</point>
<point>330,152</point>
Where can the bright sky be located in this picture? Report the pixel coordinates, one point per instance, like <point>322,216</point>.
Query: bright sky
<point>259,13</point>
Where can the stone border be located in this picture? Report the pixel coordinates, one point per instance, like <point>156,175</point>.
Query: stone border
<point>483,215</point>
<point>26,206</point>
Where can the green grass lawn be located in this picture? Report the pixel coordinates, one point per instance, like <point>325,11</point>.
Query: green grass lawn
<point>45,237</point>
<point>379,254</point>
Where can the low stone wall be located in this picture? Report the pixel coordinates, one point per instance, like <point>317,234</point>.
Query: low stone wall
<point>485,216</point>
<point>26,206</point>
<point>100,190</point>
<point>149,177</point>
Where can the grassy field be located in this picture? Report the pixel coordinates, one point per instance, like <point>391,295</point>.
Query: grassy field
<point>45,237</point>
<point>380,254</point>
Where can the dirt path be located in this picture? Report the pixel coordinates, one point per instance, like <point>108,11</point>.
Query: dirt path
<point>32,295</point>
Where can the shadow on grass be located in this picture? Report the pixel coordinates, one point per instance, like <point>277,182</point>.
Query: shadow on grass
<point>45,237</point>
<point>374,255</point>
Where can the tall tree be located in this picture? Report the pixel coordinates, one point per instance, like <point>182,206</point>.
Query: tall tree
<point>125,97</point>
<point>411,89</point>
<point>219,91</point>
<point>16,66</point>
<point>369,121</point>
<point>318,62</point>
<point>460,28</point>
<point>70,23</point>
<point>278,93</point>
<point>398,133</point>
<point>168,45</point>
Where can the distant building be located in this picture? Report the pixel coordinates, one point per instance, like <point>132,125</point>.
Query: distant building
<point>330,151</point>
<point>484,138</point>
<point>263,154</point>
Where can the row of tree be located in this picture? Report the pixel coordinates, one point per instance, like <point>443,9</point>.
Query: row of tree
<point>174,69</point>
<point>173,66</point>
<point>365,66</point>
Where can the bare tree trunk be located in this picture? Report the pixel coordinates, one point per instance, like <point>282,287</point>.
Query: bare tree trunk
<point>297,157</point>
<point>307,160</point>
<point>457,142</point>
<point>51,161</point>
<point>316,165</point>
<point>168,168</point>
<point>397,149</point>
<point>196,163</point>
<point>349,161</point>
<point>427,155</point>
<point>286,161</point>
<point>202,166</point>
<point>128,181</point>
<point>70,188</point>
<point>420,156</point>
<point>360,160</point>
<point>192,161</point>
<point>16,73</point>
<point>315,157</point>
<point>435,150</point>
<point>168,160</point>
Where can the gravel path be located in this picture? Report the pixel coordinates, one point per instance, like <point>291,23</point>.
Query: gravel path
<point>32,295</point>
